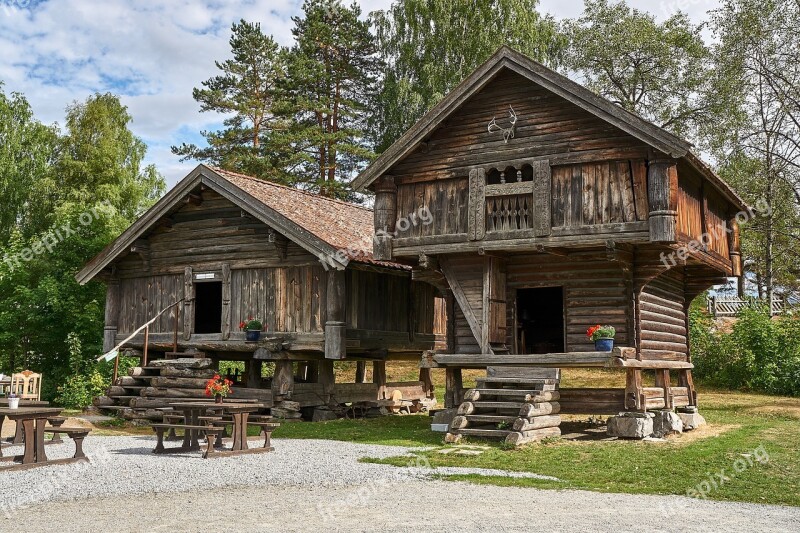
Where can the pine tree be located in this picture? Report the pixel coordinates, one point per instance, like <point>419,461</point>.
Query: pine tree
<point>248,90</point>
<point>332,73</point>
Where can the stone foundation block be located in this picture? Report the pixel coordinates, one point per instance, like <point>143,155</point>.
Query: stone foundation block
<point>666,422</point>
<point>631,425</point>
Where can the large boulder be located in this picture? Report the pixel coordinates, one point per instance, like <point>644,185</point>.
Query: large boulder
<point>631,425</point>
<point>666,422</point>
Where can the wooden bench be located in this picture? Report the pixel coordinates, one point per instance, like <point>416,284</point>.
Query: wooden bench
<point>77,435</point>
<point>266,429</point>
<point>56,422</point>
<point>209,430</point>
<point>172,418</point>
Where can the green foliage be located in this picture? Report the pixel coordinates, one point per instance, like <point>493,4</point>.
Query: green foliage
<point>660,71</point>
<point>93,188</point>
<point>430,47</point>
<point>760,353</point>
<point>758,139</point>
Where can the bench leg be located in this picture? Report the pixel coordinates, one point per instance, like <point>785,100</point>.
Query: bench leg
<point>210,440</point>
<point>56,436</point>
<point>267,438</point>
<point>78,447</point>
<point>172,435</point>
<point>160,442</point>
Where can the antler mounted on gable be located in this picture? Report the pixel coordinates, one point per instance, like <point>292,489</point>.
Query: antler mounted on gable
<point>508,133</point>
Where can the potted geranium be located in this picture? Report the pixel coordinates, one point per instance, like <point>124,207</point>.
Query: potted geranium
<point>13,401</point>
<point>218,387</point>
<point>252,329</point>
<point>603,337</point>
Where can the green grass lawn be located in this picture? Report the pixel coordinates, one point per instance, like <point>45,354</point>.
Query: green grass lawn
<point>738,425</point>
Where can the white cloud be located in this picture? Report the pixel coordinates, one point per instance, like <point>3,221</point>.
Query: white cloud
<point>152,53</point>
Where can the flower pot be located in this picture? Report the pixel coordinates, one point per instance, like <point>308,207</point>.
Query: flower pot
<point>604,345</point>
<point>218,398</point>
<point>13,403</point>
<point>252,335</point>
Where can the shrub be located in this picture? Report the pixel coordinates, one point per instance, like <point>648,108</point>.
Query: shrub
<point>760,353</point>
<point>79,390</point>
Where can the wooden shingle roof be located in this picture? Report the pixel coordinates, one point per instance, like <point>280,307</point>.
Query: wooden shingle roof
<point>337,231</point>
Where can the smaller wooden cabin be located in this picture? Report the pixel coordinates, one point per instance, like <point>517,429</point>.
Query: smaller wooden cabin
<point>220,248</point>
<point>553,210</point>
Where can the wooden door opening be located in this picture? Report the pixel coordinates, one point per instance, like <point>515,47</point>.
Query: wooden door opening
<point>208,307</point>
<point>540,320</point>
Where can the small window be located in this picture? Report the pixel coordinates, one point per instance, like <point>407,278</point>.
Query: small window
<point>208,307</point>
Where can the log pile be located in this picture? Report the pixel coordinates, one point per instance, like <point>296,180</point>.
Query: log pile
<point>146,390</point>
<point>516,404</point>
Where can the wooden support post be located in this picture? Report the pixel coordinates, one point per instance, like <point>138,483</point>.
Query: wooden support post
<point>379,378</point>
<point>226,301</point>
<point>254,373</point>
<point>385,217</point>
<point>450,329</point>
<point>634,395</point>
<point>663,381</point>
<point>146,343</point>
<point>335,326</point>
<point>177,310</point>
<point>116,369</point>
<point>426,377</point>
<point>542,202</point>
<point>283,380</point>
<point>188,303</point>
<point>476,214</point>
<point>327,378</point>
<point>662,193</point>
<point>112,314</point>
<point>454,386</point>
<point>361,372</point>
<point>685,380</point>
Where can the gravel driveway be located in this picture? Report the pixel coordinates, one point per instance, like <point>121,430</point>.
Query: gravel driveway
<point>320,485</point>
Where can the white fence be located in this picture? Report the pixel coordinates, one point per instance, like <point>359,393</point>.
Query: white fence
<point>720,306</point>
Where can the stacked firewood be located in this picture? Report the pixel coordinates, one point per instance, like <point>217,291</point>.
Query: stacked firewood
<point>518,405</point>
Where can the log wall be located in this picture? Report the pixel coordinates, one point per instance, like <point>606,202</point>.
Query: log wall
<point>662,320</point>
<point>595,291</point>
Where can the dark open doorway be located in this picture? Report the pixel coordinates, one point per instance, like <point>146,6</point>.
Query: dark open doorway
<point>208,307</point>
<point>540,320</point>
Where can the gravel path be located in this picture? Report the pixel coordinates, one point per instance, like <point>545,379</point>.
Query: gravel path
<point>314,484</point>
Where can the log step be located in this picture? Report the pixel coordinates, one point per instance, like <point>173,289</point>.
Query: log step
<point>489,433</point>
<point>524,395</point>
<point>469,408</point>
<point>468,421</point>
<point>536,384</point>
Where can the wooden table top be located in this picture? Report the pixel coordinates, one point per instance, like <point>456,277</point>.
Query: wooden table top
<point>25,403</point>
<point>227,406</point>
<point>30,412</point>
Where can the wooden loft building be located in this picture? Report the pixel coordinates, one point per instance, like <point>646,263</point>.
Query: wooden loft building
<point>553,210</point>
<point>220,248</point>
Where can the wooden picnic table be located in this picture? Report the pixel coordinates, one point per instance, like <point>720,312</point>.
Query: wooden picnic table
<point>192,411</point>
<point>19,436</point>
<point>33,421</point>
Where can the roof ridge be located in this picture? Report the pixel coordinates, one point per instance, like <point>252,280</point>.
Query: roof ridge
<point>293,189</point>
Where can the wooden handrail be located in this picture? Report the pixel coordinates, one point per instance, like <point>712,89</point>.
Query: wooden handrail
<point>146,328</point>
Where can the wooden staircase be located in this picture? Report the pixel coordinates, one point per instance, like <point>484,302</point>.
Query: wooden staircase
<point>146,390</point>
<point>515,404</point>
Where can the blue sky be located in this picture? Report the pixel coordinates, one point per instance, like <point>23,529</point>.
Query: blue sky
<point>152,53</point>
